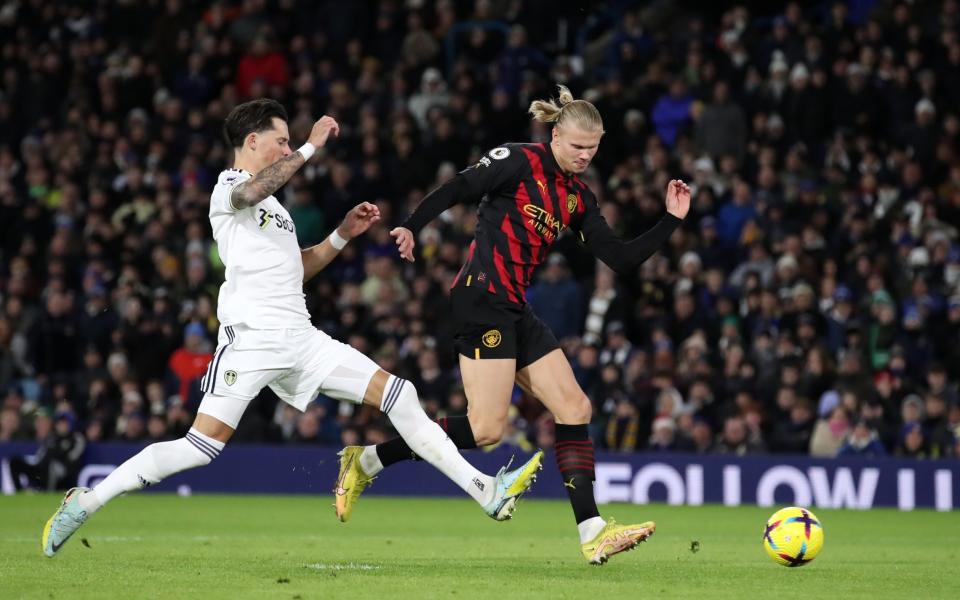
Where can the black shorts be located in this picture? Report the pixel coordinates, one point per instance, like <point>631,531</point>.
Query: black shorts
<point>488,326</point>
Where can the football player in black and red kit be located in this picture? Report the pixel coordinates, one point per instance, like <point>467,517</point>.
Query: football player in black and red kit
<point>529,195</point>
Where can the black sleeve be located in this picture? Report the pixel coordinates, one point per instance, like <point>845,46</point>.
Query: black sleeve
<point>495,169</point>
<point>619,255</point>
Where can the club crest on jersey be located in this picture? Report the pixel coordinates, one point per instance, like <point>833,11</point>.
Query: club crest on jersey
<point>571,202</point>
<point>491,339</point>
<point>265,218</point>
<point>230,377</point>
<point>499,153</point>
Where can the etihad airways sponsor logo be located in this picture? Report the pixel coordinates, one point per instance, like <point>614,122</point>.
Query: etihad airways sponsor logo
<point>543,222</point>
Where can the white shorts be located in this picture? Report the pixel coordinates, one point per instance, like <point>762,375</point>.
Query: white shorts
<point>296,364</point>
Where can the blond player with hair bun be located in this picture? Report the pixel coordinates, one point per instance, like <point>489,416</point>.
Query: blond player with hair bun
<point>529,195</point>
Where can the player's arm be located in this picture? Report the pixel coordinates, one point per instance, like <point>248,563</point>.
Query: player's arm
<point>470,185</point>
<point>269,180</point>
<point>266,182</point>
<point>624,256</point>
<point>357,221</point>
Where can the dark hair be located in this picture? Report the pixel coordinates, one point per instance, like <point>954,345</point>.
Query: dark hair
<point>251,117</point>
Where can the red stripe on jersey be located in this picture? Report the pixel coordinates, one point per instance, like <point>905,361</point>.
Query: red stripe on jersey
<point>523,198</point>
<point>456,280</point>
<point>536,167</point>
<point>514,245</point>
<point>538,172</point>
<point>533,240</point>
<point>562,193</point>
<point>539,252</point>
<point>504,276</point>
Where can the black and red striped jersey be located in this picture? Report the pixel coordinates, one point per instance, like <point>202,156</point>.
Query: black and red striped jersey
<point>526,202</point>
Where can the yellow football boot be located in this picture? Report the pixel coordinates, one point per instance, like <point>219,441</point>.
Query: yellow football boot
<point>614,538</point>
<point>350,482</point>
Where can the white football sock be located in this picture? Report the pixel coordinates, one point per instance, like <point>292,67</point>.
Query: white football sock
<point>429,442</point>
<point>370,461</point>
<point>590,528</point>
<point>151,465</point>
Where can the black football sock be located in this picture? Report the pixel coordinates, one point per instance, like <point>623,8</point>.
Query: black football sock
<point>574,453</point>
<point>457,429</point>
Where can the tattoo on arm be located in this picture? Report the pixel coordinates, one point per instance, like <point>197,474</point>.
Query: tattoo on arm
<point>266,182</point>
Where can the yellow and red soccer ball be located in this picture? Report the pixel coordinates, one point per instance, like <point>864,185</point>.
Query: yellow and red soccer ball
<point>793,536</point>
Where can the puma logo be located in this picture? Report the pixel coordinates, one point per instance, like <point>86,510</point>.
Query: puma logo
<point>569,484</point>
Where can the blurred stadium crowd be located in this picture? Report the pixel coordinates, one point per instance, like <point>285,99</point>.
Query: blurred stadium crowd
<point>810,303</point>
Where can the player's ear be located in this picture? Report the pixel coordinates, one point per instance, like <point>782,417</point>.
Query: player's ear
<point>251,141</point>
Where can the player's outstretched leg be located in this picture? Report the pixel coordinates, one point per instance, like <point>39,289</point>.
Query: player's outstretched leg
<point>360,465</point>
<point>151,465</point>
<point>497,495</point>
<point>509,486</point>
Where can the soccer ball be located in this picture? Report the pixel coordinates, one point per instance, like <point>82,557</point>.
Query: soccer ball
<point>793,536</point>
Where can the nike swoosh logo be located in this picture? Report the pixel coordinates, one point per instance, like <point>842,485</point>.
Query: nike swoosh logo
<point>56,547</point>
<point>340,490</point>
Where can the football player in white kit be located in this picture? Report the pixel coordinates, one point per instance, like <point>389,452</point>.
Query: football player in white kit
<point>266,338</point>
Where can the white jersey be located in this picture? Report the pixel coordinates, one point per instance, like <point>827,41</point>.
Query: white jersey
<point>264,271</point>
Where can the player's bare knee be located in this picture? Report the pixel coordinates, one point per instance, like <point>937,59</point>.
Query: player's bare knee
<point>577,411</point>
<point>488,431</point>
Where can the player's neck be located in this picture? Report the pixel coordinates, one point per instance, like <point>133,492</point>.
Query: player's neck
<point>245,163</point>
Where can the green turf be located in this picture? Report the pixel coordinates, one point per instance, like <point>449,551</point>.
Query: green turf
<point>161,546</point>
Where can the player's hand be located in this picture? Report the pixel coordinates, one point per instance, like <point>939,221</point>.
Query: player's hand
<point>678,198</point>
<point>405,243</point>
<point>322,130</point>
<point>358,220</point>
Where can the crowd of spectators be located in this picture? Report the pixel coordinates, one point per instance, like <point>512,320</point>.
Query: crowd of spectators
<point>809,304</point>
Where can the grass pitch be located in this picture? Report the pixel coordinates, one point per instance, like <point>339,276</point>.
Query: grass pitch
<point>164,546</point>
